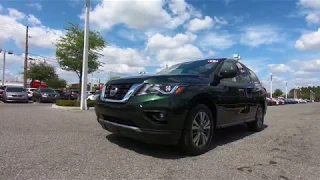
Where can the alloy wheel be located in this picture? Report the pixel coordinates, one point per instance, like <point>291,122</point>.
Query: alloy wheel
<point>201,129</point>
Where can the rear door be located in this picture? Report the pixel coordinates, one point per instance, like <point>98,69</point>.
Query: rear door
<point>229,98</point>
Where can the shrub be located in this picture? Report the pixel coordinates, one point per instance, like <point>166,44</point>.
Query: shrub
<point>74,103</point>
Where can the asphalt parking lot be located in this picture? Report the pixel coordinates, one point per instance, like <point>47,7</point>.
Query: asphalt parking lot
<point>39,142</point>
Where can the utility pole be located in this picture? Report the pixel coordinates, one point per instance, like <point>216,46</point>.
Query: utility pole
<point>83,100</point>
<point>25,76</point>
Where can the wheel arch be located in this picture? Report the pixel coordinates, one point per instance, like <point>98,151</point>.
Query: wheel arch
<point>204,98</point>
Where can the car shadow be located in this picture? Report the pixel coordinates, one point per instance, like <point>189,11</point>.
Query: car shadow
<point>222,137</point>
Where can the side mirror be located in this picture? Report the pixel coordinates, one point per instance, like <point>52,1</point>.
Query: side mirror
<point>228,74</point>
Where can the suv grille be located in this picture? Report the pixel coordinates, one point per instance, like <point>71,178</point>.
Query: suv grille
<point>116,91</point>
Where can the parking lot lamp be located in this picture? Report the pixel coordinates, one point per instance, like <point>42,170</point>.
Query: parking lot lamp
<point>4,65</point>
<point>286,89</point>
<point>84,85</point>
<point>271,85</point>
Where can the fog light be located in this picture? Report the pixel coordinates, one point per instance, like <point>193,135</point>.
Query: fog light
<point>157,116</point>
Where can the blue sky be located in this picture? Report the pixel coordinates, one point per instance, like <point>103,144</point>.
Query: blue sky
<point>282,37</point>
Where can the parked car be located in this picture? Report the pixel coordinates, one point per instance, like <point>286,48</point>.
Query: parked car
<point>15,94</point>
<point>93,96</point>
<point>30,92</point>
<point>184,104</point>
<point>271,102</point>
<point>44,95</point>
<point>2,88</point>
<point>281,101</point>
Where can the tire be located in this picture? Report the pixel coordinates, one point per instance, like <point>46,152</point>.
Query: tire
<point>189,143</point>
<point>258,124</point>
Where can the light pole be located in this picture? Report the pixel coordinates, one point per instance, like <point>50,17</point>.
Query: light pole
<point>4,65</point>
<point>83,100</point>
<point>271,91</point>
<point>286,89</point>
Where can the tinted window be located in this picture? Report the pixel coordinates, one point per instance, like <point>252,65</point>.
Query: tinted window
<point>254,77</point>
<point>2,87</point>
<point>46,90</point>
<point>226,67</point>
<point>203,67</point>
<point>243,73</point>
<point>15,89</point>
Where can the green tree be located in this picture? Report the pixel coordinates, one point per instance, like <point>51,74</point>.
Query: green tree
<point>277,93</point>
<point>56,82</point>
<point>113,78</point>
<point>69,50</point>
<point>41,71</point>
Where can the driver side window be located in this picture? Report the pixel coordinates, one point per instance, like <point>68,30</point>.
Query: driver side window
<point>229,66</point>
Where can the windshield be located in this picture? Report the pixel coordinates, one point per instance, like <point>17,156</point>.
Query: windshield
<point>203,67</point>
<point>46,90</point>
<point>15,89</point>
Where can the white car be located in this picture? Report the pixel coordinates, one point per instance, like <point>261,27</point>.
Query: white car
<point>93,97</point>
<point>30,92</point>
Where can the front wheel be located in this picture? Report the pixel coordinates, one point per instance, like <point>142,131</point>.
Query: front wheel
<point>198,131</point>
<point>257,124</point>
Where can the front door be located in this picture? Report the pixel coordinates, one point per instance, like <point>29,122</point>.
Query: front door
<point>229,98</point>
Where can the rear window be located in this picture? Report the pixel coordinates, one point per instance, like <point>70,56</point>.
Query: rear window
<point>46,90</point>
<point>15,89</point>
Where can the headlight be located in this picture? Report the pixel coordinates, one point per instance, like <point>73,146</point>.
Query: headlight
<point>162,89</point>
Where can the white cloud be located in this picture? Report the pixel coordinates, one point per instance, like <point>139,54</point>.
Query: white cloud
<point>302,74</point>
<point>258,35</point>
<point>309,41</point>
<point>218,41</point>
<point>184,53</point>
<point>15,14</point>
<point>306,65</point>
<point>128,56</point>
<point>15,30</point>
<point>311,8</point>
<point>313,18</point>
<point>197,24</point>
<point>141,14</point>
<point>159,41</point>
<point>314,4</point>
<point>37,6</point>
<point>33,20</point>
<point>279,68</point>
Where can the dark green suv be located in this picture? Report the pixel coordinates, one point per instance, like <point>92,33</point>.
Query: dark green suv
<point>184,104</point>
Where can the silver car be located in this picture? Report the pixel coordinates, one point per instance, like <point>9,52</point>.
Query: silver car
<point>15,94</point>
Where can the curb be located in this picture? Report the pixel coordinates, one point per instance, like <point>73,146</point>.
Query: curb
<point>68,108</point>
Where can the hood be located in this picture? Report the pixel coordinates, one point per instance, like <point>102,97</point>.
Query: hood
<point>158,79</point>
<point>16,93</point>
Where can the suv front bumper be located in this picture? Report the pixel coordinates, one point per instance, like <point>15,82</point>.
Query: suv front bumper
<point>136,118</point>
<point>164,137</point>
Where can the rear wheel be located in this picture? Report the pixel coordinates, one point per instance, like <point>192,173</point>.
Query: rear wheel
<point>257,124</point>
<point>198,131</point>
